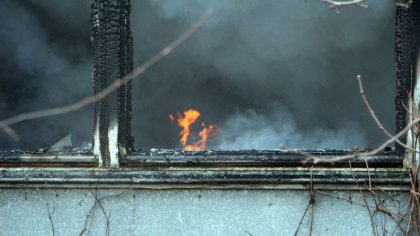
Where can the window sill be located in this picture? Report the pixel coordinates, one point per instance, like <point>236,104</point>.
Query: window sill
<point>169,169</point>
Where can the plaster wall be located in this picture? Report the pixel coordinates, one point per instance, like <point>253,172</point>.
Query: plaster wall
<point>199,212</point>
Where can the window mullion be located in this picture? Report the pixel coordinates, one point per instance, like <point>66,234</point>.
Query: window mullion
<point>113,59</point>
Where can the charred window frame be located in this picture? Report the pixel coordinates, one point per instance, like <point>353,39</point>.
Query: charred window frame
<point>113,161</point>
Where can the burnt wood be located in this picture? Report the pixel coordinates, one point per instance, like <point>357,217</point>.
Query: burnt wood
<point>405,57</point>
<point>254,158</point>
<point>113,59</point>
<point>212,178</point>
<point>80,158</point>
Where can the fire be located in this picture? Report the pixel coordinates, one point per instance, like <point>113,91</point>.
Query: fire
<point>185,121</point>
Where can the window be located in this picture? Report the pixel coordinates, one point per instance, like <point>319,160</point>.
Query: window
<point>113,142</point>
<point>268,77</point>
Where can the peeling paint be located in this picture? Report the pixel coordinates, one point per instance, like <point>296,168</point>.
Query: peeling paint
<point>113,144</point>
<point>97,142</point>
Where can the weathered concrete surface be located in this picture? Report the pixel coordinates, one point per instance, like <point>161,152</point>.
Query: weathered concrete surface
<point>195,212</point>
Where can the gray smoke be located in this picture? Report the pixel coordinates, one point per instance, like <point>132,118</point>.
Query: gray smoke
<point>249,130</point>
<point>270,74</point>
<point>45,62</point>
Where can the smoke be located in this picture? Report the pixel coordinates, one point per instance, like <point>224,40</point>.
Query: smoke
<point>45,62</point>
<point>249,130</point>
<point>268,73</point>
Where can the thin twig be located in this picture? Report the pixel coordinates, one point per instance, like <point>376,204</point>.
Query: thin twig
<point>311,204</point>
<point>11,133</point>
<point>50,215</point>
<point>334,4</point>
<point>248,233</point>
<point>316,159</point>
<point>372,222</point>
<point>90,214</point>
<point>115,85</point>
<point>382,210</point>
<point>312,201</point>
<point>375,118</point>
<point>368,171</point>
<point>301,220</point>
<point>403,132</point>
<point>412,198</point>
<point>391,139</point>
<point>98,201</point>
<point>411,215</point>
<point>398,226</point>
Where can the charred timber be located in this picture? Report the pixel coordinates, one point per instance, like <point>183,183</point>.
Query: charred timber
<point>256,158</point>
<point>167,159</point>
<point>78,158</point>
<point>270,178</point>
<point>113,59</point>
<point>405,46</point>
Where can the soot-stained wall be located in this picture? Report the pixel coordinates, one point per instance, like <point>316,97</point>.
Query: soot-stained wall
<point>270,74</point>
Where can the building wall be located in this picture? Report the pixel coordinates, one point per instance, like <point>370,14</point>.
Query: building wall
<point>200,212</point>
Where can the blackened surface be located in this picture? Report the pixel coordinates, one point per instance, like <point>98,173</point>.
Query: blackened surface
<point>405,54</point>
<point>73,158</point>
<point>133,178</point>
<point>112,44</point>
<point>126,66</point>
<point>255,158</point>
<point>5,155</point>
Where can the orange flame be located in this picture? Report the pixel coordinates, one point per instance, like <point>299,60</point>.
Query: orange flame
<point>185,121</point>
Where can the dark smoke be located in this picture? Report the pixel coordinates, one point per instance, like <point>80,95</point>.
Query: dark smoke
<point>270,73</point>
<point>44,62</point>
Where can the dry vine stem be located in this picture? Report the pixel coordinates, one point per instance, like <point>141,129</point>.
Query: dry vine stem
<point>382,210</point>
<point>375,118</point>
<point>98,202</point>
<point>316,159</point>
<point>365,154</point>
<point>391,139</point>
<point>5,124</point>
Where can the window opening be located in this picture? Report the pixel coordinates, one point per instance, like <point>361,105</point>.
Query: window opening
<point>111,34</point>
<point>45,62</point>
<point>267,76</point>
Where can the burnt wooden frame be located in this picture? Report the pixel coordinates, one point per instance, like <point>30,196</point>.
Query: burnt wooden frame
<point>203,169</point>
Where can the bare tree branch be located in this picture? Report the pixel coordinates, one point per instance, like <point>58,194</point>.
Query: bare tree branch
<point>11,133</point>
<point>363,196</point>
<point>395,138</point>
<point>375,118</point>
<point>316,159</point>
<point>381,210</point>
<point>114,86</point>
<point>335,4</point>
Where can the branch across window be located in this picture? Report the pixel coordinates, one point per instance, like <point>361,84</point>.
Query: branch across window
<point>113,142</point>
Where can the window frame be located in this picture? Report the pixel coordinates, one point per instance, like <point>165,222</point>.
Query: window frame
<point>208,169</point>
